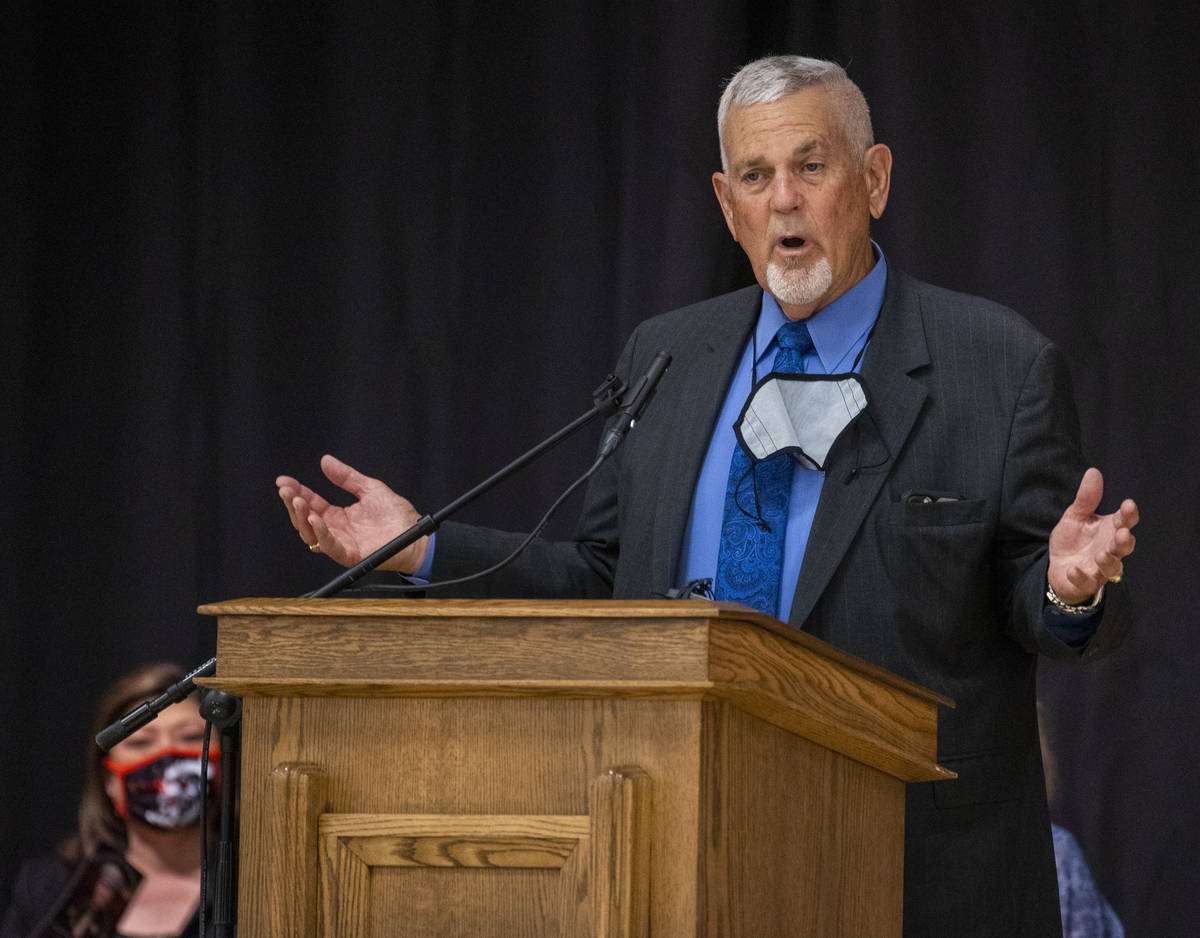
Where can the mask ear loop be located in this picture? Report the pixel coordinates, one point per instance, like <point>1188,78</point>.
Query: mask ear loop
<point>757,516</point>
<point>858,463</point>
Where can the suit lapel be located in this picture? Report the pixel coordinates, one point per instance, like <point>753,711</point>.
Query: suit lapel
<point>704,360</point>
<point>863,459</point>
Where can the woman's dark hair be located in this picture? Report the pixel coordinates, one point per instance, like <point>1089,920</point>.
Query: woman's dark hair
<point>99,823</point>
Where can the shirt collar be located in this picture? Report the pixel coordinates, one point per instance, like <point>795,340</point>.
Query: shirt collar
<point>839,330</point>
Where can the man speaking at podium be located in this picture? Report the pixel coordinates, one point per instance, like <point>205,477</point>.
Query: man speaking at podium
<point>940,524</point>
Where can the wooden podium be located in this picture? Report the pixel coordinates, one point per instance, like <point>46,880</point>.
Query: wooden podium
<point>507,768</point>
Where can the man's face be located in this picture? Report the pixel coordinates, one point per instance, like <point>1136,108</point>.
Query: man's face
<point>797,200</point>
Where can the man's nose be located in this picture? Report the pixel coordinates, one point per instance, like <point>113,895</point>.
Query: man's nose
<point>785,193</point>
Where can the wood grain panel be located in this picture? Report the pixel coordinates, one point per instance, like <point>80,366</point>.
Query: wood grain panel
<point>297,793</point>
<point>408,873</point>
<point>345,892</point>
<point>880,724</point>
<point>458,840</point>
<point>389,687</point>
<point>800,841</point>
<point>467,648</point>
<point>485,757</point>
<point>620,858</point>
<point>457,903</point>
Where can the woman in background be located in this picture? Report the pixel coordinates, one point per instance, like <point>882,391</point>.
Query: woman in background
<point>132,870</point>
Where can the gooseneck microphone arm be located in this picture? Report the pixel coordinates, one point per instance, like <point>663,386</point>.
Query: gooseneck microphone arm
<point>611,397</point>
<point>605,401</point>
<point>140,716</point>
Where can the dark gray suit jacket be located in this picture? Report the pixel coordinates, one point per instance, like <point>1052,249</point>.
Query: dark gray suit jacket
<point>966,401</point>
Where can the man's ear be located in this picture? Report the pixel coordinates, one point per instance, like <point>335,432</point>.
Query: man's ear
<point>877,171</point>
<point>721,188</point>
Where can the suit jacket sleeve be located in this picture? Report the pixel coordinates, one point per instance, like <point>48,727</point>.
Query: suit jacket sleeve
<point>1043,459</point>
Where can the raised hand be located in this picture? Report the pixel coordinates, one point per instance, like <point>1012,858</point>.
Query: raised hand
<point>349,534</point>
<point>1086,549</point>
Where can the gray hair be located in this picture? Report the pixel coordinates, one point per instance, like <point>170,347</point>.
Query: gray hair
<point>777,76</point>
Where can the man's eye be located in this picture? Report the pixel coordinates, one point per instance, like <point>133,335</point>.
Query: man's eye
<point>813,167</point>
<point>752,176</point>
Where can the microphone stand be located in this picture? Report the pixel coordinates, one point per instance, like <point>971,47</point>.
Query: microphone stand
<point>224,711</point>
<point>605,400</point>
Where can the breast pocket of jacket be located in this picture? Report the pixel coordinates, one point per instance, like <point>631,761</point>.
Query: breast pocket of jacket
<point>920,508</point>
<point>935,547</point>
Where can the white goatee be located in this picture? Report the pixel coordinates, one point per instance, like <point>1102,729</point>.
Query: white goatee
<point>799,285</point>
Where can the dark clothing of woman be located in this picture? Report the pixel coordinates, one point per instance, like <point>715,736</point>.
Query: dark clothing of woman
<point>39,887</point>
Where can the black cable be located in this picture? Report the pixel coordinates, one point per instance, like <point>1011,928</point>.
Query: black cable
<point>204,826</point>
<point>419,587</point>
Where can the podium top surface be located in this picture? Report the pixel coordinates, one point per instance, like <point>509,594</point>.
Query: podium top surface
<point>689,614</point>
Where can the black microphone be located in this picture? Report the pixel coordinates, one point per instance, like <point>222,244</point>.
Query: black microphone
<point>140,716</point>
<point>633,402</point>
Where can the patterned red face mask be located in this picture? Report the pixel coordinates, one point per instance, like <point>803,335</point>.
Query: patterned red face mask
<point>164,789</point>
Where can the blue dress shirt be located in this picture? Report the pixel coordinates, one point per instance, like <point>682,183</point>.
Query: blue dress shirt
<point>839,332</point>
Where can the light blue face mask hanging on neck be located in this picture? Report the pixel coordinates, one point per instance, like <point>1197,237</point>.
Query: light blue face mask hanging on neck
<point>801,414</point>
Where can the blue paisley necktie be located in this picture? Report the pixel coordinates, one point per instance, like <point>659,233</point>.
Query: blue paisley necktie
<point>750,558</point>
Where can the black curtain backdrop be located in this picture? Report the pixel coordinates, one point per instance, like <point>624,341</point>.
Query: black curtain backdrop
<point>239,235</point>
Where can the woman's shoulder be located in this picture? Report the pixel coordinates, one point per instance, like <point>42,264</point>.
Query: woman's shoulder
<point>37,886</point>
<point>41,874</point>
